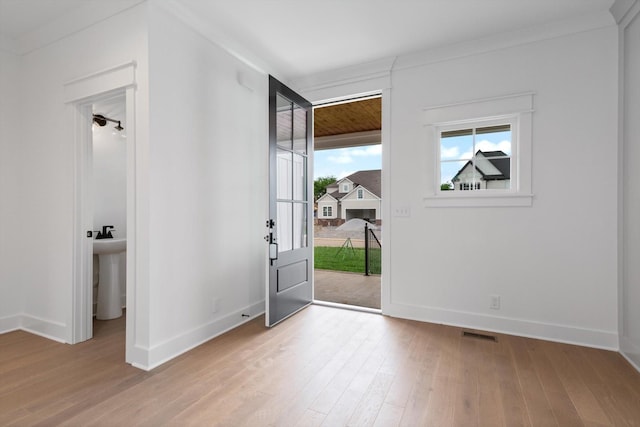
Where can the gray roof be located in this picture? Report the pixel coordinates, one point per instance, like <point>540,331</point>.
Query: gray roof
<point>502,164</point>
<point>371,180</point>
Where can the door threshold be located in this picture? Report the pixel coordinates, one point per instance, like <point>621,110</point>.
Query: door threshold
<point>347,306</point>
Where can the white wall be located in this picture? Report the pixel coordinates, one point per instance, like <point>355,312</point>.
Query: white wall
<point>11,300</point>
<point>553,264</point>
<point>630,92</point>
<point>41,240</point>
<point>208,187</point>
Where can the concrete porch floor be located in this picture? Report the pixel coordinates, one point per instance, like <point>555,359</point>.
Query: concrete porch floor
<point>347,288</point>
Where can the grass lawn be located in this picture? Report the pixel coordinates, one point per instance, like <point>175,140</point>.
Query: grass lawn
<point>345,259</point>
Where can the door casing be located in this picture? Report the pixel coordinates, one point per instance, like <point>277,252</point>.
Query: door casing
<point>80,95</point>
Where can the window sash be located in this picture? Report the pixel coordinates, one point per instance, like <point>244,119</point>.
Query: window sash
<point>473,128</point>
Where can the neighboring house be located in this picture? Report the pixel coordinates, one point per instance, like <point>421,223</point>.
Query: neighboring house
<point>492,171</point>
<point>355,196</point>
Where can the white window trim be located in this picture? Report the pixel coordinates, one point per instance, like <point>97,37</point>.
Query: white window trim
<point>518,109</point>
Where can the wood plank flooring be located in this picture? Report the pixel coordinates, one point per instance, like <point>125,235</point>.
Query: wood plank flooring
<point>322,367</point>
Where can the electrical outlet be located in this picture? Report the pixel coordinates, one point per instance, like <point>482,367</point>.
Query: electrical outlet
<point>495,302</point>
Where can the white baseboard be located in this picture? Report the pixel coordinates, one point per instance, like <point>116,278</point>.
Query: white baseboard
<point>10,323</point>
<point>147,359</point>
<point>525,328</point>
<point>45,328</point>
<point>630,351</point>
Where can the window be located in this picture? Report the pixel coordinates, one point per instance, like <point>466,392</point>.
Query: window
<point>475,158</point>
<point>360,193</point>
<point>345,188</point>
<point>327,211</point>
<point>468,186</point>
<point>480,153</point>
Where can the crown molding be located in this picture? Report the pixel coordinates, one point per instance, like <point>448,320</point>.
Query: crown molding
<point>379,70</point>
<point>506,40</point>
<point>216,36</point>
<point>620,10</point>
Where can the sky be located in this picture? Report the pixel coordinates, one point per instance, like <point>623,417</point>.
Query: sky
<point>345,161</point>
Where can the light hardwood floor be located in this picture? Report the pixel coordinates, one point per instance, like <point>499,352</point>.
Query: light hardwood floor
<point>324,366</point>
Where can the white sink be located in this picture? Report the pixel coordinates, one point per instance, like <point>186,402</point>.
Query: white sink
<point>108,251</point>
<point>109,246</point>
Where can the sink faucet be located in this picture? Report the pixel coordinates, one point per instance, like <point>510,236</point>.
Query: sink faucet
<point>106,233</point>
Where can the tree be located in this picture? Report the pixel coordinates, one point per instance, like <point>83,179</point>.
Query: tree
<point>446,186</point>
<point>320,186</point>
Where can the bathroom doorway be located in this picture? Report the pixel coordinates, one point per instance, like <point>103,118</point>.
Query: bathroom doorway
<point>109,231</point>
<point>84,96</point>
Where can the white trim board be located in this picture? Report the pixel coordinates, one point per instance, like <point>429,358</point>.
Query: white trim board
<point>631,352</point>
<point>10,323</point>
<point>174,347</point>
<point>100,82</point>
<point>607,340</point>
<point>55,331</point>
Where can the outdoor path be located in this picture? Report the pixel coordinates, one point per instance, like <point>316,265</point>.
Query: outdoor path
<point>347,288</point>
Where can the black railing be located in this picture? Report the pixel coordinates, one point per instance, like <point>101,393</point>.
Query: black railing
<point>372,252</point>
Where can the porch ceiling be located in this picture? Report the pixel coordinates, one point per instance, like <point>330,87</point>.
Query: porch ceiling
<point>348,124</point>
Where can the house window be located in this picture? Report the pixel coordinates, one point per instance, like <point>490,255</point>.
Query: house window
<point>480,152</point>
<point>469,186</point>
<point>327,211</point>
<point>360,193</point>
<point>345,188</point>
<point>475,158</point>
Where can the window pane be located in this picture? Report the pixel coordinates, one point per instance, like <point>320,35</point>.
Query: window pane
<point>299,225</point>
<point>299,129</point>
<point>284,225</point>
<point>285,178</point>
<point>493,147</point>
<point>476,158</point>
<point>299,177</point>
<point>283,122</point>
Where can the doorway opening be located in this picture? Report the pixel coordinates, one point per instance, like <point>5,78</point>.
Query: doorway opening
<point>348,202</point>
<point>109,211</point>
<point>81,96</point>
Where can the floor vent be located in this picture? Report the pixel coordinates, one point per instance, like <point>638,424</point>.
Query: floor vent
<point>479,336</point>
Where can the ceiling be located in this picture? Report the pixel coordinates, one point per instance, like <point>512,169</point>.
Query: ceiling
<point>303,37</point>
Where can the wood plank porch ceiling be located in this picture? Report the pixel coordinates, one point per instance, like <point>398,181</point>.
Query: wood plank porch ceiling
<point>352,117</point>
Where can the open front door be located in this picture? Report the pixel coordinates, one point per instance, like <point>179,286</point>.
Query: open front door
<point>290,226</point>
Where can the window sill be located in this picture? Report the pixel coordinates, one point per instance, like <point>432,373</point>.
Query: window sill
<point>478,200</point>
